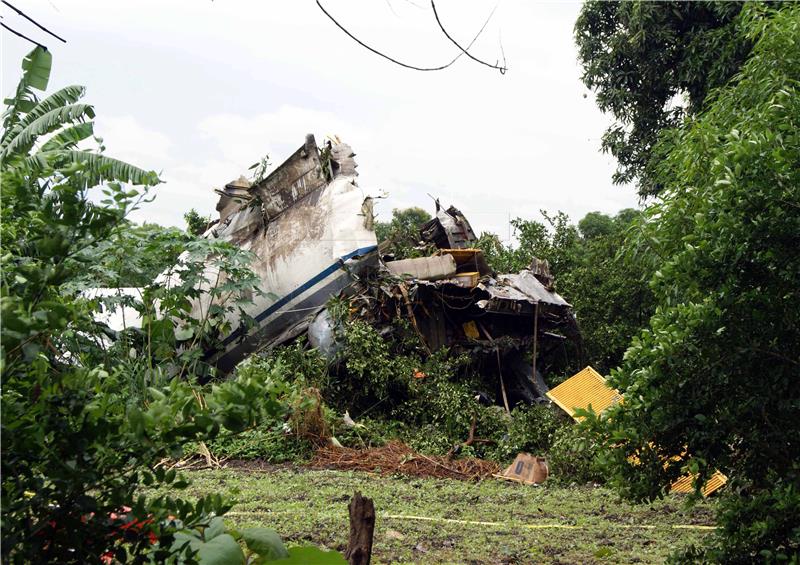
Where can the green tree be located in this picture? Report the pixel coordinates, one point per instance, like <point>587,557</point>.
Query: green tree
<point>712,382</point>
<point>196,224</point>
<point>607,287</point>
<point>554,240</point>
<point>402,231</point>
<point>596,224</point>
<point>652,63</point>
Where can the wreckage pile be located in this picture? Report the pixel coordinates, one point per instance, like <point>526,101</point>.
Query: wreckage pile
<point>397,457</point>
<point>311,230</point>
<point>431,342</point>
<point>452,299</point>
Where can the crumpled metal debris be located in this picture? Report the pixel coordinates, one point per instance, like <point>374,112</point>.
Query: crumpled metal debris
<point>312,232</point>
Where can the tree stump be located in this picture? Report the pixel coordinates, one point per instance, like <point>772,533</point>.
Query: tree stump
<point>362,528</point>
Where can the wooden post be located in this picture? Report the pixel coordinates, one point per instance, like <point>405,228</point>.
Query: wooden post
<point>535,336</point>
<point>502,384</point>
<point>362,528</point>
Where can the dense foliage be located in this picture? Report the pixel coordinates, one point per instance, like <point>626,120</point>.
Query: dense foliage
<point>196,223</point>
<point>89,414</point>
<point>651,63</point>
<point>606,284</point>
<point>400,235</point>
<point>712,382</point>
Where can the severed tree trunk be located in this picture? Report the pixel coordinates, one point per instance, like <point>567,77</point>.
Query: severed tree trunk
<point>362,527</point>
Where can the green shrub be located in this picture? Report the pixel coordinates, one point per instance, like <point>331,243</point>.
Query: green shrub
<point>530,429</point>
<point>573,456</point>
<point>762,527</point>
<point>273,444</point>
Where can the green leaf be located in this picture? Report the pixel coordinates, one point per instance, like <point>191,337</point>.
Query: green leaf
<point>215,528</point>
<point>265,542</point>
<point>222,550</point>
<point>184,333</point>
<point>69,137</point>
<point>44,124</point>
<point>36,67</point>
<point>102,168</point>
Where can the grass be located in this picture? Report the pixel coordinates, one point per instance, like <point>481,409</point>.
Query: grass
<point>520,524</point>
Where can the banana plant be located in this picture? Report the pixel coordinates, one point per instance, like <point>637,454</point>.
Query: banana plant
<point>45,134</point>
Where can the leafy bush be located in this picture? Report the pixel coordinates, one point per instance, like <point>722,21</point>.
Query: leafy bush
<point>401,235</point>
<point>78,446</point>
<point>762,527</point>
<point>573,456</point>
<point>531,429</point>
<point>712,382</point>
<point>273,444</point>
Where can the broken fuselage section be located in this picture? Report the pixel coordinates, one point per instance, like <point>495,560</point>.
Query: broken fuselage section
<point>310,230</point>
<point>507,323</point>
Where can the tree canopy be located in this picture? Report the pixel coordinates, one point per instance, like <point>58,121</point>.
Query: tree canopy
<point>651,64</point>
<point>712,382</point>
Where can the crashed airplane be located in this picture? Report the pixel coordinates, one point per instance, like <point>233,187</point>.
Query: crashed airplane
<point>311,231</point>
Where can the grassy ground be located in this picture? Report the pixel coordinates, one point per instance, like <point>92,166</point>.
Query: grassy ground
<point>519,524</point>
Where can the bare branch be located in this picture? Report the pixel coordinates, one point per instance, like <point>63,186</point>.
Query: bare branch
<point>395,61</point>
<point>34,22</point>
<point>502,68</point>
<point>23,36</point>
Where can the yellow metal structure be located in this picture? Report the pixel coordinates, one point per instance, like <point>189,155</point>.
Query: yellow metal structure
<point>585,388</point>
<point>471,330</point>
<point>684,484</point>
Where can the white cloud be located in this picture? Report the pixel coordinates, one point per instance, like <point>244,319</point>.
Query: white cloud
<point>201,98</point>
<point>127,139</point>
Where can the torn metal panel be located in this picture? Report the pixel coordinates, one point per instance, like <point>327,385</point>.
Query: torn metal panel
<point>295,178</point>
<point>426,268</point>
<point>468,260</point>
<point>582,390</point>
<point>232,197</point>
<point>588,388</point>
<point>685,484</point>
<point>523,287</point>
<point>449,229</point>
<point>310,240</point>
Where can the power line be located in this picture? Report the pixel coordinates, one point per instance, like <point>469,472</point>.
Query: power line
<point>400,63</point>
<point>23,36</point>
<point>34,22</point>
<point>502,69</point>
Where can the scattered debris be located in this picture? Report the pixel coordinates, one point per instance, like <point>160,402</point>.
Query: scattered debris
<point>311,231</point>
<point>396,457</point>
<point>588,389</point>
<point>526,469</point>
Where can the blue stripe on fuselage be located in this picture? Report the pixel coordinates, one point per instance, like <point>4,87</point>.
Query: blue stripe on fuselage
<point>301,289</point>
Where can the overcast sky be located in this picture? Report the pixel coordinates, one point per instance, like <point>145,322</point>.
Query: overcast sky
<point>199,90</point>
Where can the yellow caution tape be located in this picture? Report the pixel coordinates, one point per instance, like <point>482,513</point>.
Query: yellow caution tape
<point>544,526</point>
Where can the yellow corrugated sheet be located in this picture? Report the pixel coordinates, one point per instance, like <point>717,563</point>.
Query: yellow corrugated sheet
<point>585,388</point>
<point>684,484</point>
<point>588,387</point>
